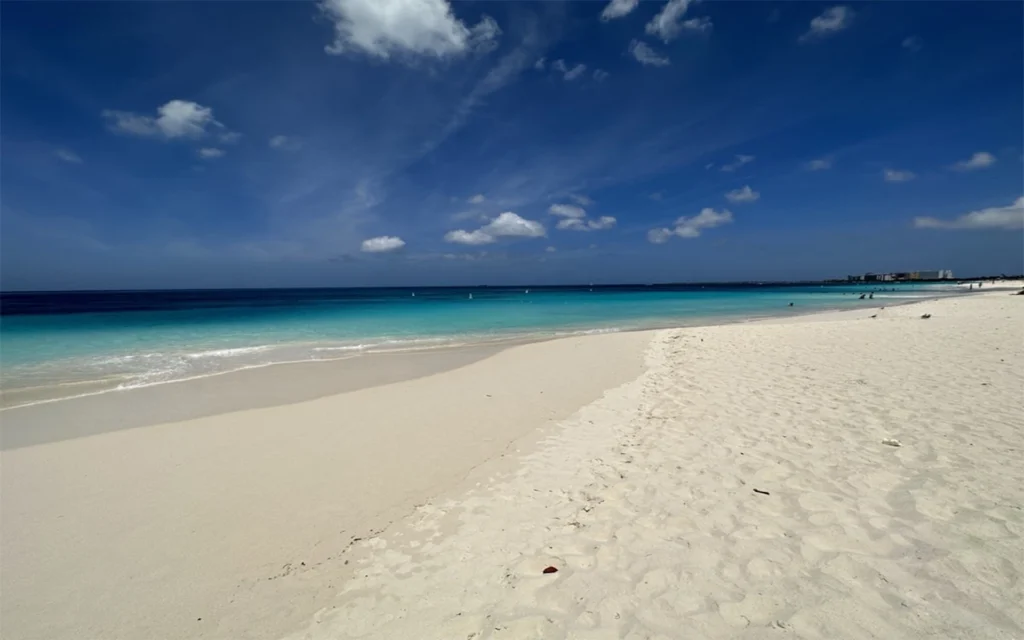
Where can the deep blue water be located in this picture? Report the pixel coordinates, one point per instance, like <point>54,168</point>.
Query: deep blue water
<point>59,344</point>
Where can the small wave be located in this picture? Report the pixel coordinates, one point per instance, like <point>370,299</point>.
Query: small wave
<point>227,353</point>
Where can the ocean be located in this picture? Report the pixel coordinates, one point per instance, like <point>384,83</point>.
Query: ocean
<point>58,345</point>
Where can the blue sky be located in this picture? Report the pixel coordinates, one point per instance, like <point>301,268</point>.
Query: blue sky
<point>373,142</point>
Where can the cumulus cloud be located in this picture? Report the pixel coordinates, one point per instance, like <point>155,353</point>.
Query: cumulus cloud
<point>913,44</point>
<point>739,162</point>
<point>285,143</point>
<point>645,55</point>
<point>68,156</point>
<point>574,218</point>
<point>382,244</point>
<point>567,211</point>
<point>669,23</point>
<point>600,75</point>
<point>506,225</point>
<point>818,164</point>
<point>691,227</point>
<point>477,199</point>
<point>832,21</point>
<point>1009,217</point>
<point>176,119</point>
<point>461,236</point>
<point>618,8</point>
<point>980,160</point>
<point>746,194</point>
<point>209,153</point>
<point>383,28</point>
<point>893,175</point>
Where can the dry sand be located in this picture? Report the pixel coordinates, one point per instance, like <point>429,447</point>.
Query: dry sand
<point>643,499</point>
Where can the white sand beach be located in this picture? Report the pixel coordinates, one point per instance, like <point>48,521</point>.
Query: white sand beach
<point>717,482</point>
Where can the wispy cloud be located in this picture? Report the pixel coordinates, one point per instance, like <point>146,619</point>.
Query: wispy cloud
<point>645,55</point>
<point>600,75</point>
<point>618,8</point>
<point>741,160</point>
<point>743,195</point>
<point>68,156</point>
<point>477,199</point>
<point>980,160</point>
<point>831,22</point>
<point>209,153</point>
<point>285,143</point>
<point>669,23</point>
<point>691,227</point>
<point>818,164</point>
<point>405,28</point>
<point>894,175</point>
<point>913,44</point>
<point>568,73</point>
<point>1010,217</point>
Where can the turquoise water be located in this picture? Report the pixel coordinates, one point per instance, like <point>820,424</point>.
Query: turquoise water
<point>61,344</point>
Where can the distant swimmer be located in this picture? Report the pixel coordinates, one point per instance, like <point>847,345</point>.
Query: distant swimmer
<point>791,304</point>
<point>862,296</point>
<point>871,296</point>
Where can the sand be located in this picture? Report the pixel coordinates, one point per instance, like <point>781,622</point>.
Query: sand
<point>729,482</point>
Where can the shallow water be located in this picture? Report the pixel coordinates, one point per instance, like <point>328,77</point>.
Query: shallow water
<point>55,345</point>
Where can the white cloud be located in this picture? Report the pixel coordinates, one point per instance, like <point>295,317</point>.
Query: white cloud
<point>657,196</point>
<point>894,175</point>
<point>746,194</point>
<point>574,218</point>
<point>209,153</point>
<point>568,73</point>
<point>832,21</point>
<point>68,156</point>
<point>691,227</point>
<point>382,28</point>
<point>1009,217</point>
<point>539,65</point>
<point>575,72</point>
<point>979,160</point>
<point>600,75</point>
<point>460,236</point>
<point>581,199</point>
<point>506,225</point>
<point>659,236</point>
<point>382,244</point>
<point>477,199</point>
<point>551,249</point>
<point>669,23</point>
<point>819,164</point>
<point>230,137</point>
<point>618,8</point>
<point>645,55</point>
<point>285,143</point>
<point>567,211</point>
<point>739,162</point>
<point>700,24</point>
<point>176,119</point>
<point>913,43</point>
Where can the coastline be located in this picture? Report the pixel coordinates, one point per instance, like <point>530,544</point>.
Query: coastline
<point>256,520</point>
<point>60,376</point>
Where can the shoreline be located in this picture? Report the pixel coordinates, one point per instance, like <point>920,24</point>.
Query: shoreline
<point>370,358</point>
